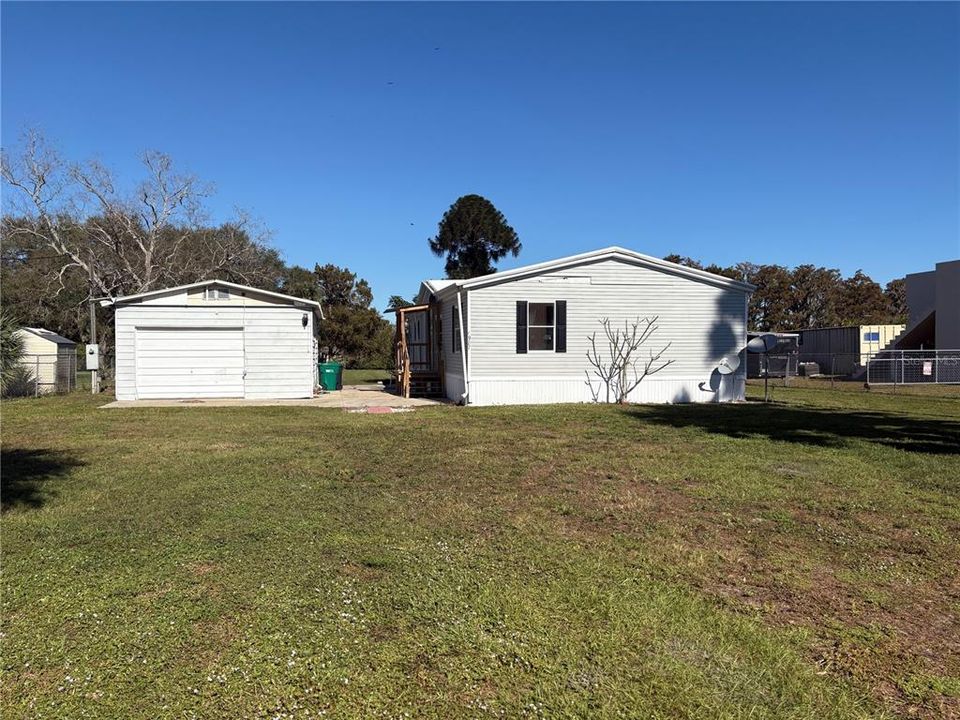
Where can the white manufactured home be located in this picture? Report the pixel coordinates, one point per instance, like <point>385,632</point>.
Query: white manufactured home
<point>215,339</point>
<point>522,336</point>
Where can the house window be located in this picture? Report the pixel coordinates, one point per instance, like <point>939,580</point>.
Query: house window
<point>540,326</point>
<point>456,329</point>
<point>213,293</point>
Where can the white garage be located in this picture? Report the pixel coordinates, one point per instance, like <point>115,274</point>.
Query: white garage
<point>215,339</point>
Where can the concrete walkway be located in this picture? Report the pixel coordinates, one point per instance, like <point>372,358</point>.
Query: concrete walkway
<point>359,398</point>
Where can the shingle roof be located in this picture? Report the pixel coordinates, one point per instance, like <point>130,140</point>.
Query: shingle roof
<point>51,336</point>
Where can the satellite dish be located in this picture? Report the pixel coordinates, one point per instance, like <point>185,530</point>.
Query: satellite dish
<point>729,365</point>
<point>715,380</point>
<point>762,343</point>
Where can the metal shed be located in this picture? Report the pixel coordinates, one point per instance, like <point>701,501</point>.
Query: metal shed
<point>215,339</point>
<point>846,350</point>
<point>50,359</point>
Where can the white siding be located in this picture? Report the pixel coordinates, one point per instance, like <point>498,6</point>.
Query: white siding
<point>278,349</point>
<point>197,296</point>
<point>702,322</point>
<point>454,385</point>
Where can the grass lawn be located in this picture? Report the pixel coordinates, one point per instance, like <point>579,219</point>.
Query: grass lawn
<point>365,377</point>
<point>796,560</point>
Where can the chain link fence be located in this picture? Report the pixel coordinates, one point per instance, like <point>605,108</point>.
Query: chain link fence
<point>888,367</point>
<point>914,367</point>
<point>44,373</point>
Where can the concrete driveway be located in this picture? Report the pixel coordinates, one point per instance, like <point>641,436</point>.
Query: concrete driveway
<point>370,398</point>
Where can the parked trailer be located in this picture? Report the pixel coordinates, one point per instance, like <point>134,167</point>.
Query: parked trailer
<point>780,362</point>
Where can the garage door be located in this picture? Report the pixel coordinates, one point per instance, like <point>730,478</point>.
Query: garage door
<point>189,363</point>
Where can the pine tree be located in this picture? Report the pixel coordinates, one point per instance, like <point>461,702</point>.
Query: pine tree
<point>474,235</point>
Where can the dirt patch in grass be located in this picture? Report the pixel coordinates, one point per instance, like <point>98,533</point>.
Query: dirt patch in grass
<point>224,446</point>
<point>741,559</point>
<point>211,640</point>
<point>201,569</point>
<point>742,555</point>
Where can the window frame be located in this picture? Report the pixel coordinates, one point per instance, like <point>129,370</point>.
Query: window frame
<point>530,326</point>
<point>456,346</point>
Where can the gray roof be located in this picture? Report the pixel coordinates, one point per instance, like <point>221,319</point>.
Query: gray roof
<point>50,335</point>
<point>438,286</point>
<point>123,299</point>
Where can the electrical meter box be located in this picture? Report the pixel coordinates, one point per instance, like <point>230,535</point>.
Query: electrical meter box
<point>93,357</point>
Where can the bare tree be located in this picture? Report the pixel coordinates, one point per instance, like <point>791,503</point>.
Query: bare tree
<point>625,367</point>
<point>123,243</point>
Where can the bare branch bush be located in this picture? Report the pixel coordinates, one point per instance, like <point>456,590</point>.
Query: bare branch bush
<point>624,366</point>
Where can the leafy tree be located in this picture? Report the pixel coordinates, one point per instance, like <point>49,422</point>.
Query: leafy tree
<point>861,301</point>
<point>769,304</point>
<point>684,260</point>
<point>474,235</point>
<point>398,301</point>
<point>342,287</point>
<point>813,297</point>
<point>895,294</point>
<point>302,283</point>
<point>11,350</point>
<point>810,296</point>
<point>353,331</point>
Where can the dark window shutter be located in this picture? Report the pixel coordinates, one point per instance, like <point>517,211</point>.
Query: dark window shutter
<point>560,343</point>
<point>453,328</point>
<point>521,326</point>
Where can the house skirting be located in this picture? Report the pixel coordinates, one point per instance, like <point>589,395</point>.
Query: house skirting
<point>542,391</point>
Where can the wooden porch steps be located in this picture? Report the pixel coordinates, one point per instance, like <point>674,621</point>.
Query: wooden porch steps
<point>426,386</point>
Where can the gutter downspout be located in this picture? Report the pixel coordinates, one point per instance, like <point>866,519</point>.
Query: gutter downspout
<point>463,350</point>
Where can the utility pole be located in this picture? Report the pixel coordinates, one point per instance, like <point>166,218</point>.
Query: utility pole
<point>94,374</point>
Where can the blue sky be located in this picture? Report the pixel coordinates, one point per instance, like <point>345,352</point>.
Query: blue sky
<point>789,133</point>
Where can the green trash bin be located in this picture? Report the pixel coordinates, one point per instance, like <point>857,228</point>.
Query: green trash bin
<point>331,375</point>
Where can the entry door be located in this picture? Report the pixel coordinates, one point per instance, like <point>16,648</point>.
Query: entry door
<point>189,363</point>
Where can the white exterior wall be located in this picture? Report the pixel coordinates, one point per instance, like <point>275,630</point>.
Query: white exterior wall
<point>453,383</point>
<point>703,323</point>
<point>278,349</point>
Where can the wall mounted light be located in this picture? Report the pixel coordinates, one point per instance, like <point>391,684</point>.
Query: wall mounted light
<point>304,320</point>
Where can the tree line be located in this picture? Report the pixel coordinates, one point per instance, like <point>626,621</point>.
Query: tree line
<point>808,296</point>
<point>71,233</point>
<point>474,235</point>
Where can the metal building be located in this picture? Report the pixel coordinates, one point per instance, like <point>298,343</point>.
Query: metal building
<point>845,350</point>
